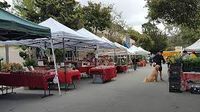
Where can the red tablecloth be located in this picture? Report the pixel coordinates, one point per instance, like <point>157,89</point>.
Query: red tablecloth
<point>107,72</point>
<point>142,63</point>
<point>122,68</point>
<point>70,75</point>
<point>85,69</point>
<point>27,79</point>
<point>186,76</point>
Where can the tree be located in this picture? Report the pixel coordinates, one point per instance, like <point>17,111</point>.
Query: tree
<point>145,42</point>
<point>133,34</point>
<point>159,40</point>
<point>116,32</point>
<point>27,9</point>
<point>4,5</point>
<point>97,17</point>
<point>188,36</point>
<point>176,12</point>
<point>68,12</point>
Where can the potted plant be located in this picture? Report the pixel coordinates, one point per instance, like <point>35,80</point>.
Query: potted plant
<point>175,62</point>
<point>30,62</point>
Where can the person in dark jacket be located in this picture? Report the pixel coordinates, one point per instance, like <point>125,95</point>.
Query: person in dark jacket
<point>158,58</point>
<point>134,61</point>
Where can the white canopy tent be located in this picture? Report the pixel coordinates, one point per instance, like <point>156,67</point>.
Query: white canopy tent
<point>98,41</point>
<point>60,34</point>
<point>106,40</point>
<point>144,52</point>
<point>119,50</point>
<point>62,31</point>
<point>123,49</point>
<point>194,47</point>
<point>135,49</point>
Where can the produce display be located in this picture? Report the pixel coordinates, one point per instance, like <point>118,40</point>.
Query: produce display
<point>191,65</point>
<point>188,65</point>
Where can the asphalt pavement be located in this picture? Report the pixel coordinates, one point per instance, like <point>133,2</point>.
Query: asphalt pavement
<point>126,93</point>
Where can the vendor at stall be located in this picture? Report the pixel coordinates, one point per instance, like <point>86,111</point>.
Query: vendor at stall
<point>185,55</point>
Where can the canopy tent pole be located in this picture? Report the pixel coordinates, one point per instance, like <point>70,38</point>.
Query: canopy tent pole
<point>127,58</point>
<point>75,53</point>
<point>96,55</point>
<point>65,69</point>
<point>55,66</point>
<point>115,56</point>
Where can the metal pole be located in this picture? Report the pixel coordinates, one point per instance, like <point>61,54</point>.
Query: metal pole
<point>114,55</point>
<point>96,55</point>
<point>63,50</point>
<point>55,66</point>
<point>64,62</point>
<point>75,53</point>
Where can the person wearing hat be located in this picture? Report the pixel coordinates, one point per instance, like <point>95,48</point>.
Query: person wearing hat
<point>157,59</point>
<point>185,55</point>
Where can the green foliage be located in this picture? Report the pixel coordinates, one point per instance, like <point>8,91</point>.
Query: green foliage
<point>59,55</point>
<point>146,42</point>
<point>23,54</point>
<point>30,62</point>
<point>68,12</point>
<point>189,35</point>
<point>183,14</point>
<point>4,5</point>
<point>176,59</point>
<point>97,17</point>
<point>142,40</point>
<point>177,12</point>
<point>115,32</point>
<point>158,40</point>
<point>134,34</point>
<point>192,61</point>
<point>191,64</point>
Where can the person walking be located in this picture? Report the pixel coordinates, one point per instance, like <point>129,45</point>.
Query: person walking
<point>134,61</point>
<point>158,58</point>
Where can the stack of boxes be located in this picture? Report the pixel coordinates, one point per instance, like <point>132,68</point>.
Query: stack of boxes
<point>175,78</point>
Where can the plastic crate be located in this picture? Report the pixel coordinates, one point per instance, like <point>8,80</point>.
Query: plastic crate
<point>174,79</point>
<point>175,87</point>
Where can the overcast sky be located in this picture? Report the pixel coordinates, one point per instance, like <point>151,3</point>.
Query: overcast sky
<point>133,11</point>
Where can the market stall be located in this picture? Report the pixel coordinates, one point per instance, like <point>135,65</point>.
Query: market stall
<point>67,77</point>
<point>186,77</point>
<point>85,69</point>
<point>121,68</point>
<point>194,47</point>
<point>102,74</point>
<point>14,29</point>
<point>27,79</point>
<point>184,73</point>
